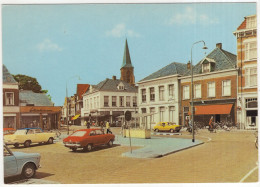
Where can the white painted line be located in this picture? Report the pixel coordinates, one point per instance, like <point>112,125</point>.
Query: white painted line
<point>248,174</point>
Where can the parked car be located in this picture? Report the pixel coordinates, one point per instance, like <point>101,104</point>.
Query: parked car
<point>167,126</point>
<point>28,136</point>
<point>18,163</point>
<point>8,131</point>
<point>87,139</point>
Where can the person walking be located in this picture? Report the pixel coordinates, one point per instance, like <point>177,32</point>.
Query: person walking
<point>108,128</point>
<point>85,123</point>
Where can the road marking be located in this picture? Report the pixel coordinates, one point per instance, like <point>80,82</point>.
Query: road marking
<point>249,173</point>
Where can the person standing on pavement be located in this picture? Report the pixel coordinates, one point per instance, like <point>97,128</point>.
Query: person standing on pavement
<point>210,123</point>
<point>108,128</point>
<point>85,123</point>
<point>88,125</point>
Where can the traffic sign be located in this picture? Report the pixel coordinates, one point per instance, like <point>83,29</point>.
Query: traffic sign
<point>128,115</point>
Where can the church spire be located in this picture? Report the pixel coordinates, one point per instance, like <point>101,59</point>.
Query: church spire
<point>127,70</point>
<point>126,59</point>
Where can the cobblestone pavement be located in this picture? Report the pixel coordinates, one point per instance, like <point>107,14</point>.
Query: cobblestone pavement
<point>224,157</point>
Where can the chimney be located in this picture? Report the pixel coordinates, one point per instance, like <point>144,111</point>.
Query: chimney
<point>219,45</point>
<point>114,77</point>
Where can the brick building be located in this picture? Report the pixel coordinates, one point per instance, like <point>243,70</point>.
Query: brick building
<point>215,88</point>
<point>11,107</point>
<point>246,35</point>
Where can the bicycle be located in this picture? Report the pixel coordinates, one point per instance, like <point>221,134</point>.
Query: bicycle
<point>256,139</point>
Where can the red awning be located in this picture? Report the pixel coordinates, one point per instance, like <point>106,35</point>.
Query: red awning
<point>212,109</point>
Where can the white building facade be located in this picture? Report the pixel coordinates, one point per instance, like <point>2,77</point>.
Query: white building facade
<point>158,95</point>
<point>108,100</point>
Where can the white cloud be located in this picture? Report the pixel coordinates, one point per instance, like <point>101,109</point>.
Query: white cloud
<point>190,16</point>
<point>48,45</point>
<point>120,30</point>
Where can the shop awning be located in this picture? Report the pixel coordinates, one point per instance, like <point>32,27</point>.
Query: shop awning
<point>212,109</point>
<point>75,117</point>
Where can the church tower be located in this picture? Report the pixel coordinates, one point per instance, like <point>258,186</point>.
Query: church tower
<point>127,70</point>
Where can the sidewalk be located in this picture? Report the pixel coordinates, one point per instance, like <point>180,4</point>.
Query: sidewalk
<point>156,146</point>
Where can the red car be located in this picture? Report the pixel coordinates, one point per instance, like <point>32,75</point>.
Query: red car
<point>8,131</point>
<point>87,139</point>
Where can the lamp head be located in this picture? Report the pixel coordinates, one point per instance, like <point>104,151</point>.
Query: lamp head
<point>205,47</point>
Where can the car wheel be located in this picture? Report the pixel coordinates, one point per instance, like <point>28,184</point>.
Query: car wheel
<point>16,145</point>
<point>156,130</point>
<point>110,143</point>
<point>27,143</point>
<point>74,149</point>
<point>50,141</point>
<point>89,147</point>
<point>171,130</point>
<point>28,171</point>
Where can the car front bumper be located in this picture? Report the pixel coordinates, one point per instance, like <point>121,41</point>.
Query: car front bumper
<point>73,145</point>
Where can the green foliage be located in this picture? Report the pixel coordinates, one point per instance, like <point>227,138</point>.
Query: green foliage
<point>30,83</point>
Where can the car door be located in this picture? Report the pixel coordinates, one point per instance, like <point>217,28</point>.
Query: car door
<point>93,137</point>
<point>10,164</point>
<point>31,135</point>
<point>101,138</point>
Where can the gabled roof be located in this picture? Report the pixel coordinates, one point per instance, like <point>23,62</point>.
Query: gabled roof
<point>126,59</point>
<point>112,85</point>
<point>171,69</point>
<point>242,25</point>
<point>37,99</point>
<point>81,89</point>
<point>7,77</point>
<point>223,60</point>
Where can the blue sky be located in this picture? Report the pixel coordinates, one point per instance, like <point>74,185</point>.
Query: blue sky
<point>56,43</point>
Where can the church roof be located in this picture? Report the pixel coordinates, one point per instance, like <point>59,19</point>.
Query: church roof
<point>36,99</point>
<point>126,58</point>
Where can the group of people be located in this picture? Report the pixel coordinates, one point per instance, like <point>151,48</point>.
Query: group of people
<point>88,124</point>
<point>189,124</point>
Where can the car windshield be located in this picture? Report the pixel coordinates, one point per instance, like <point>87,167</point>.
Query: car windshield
<point>79,133</point>
<point>20,132</point>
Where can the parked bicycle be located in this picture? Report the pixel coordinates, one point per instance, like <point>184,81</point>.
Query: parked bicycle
<point>256,139</point>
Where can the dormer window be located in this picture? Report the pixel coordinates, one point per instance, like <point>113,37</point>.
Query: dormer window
<point>206,68</point>
<point>208,65</point>
<point>121,86</point>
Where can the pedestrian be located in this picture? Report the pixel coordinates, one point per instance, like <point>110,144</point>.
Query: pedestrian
<point>108,128</point>
<point>85,123</point>
<point>88,125</point>
<point>210,123</point>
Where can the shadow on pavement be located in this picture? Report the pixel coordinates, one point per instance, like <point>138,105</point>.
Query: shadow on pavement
<point>20,179</point>
<point>98,148</point>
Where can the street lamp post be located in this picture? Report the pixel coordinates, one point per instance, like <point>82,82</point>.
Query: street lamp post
<point>192,113</point>
<point>67,107</point>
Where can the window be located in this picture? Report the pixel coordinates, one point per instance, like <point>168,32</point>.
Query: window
<point>226,88</point>
<point>211,89</point>
<point>143,112</point>
<point>152,95</point>
<point>9,98</point>
<point>121,100</point>
<point>251,22</point>
<point>106,101</point>
<point>197,91</point>
<point>143,95</point>
<point>113,100</point>
<point>135,101</point>
<point>171,91</point>
<point>251,77</point>
<point>152,110</point>
<point>186,92</point>
<point>161,93</point>
<point>97,101</point>
<point>128,101</point>
<point>87,103</point>
<point>91,104</point>
<point>162,110</point>
<point>206,67</point>
<point>251,103</point>
<point>250,50</point>
<point>171,111</point>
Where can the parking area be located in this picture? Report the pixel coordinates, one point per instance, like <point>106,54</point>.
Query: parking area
<point>224,157</point>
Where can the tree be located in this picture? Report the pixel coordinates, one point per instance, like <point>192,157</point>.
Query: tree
<point>29,83</point>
